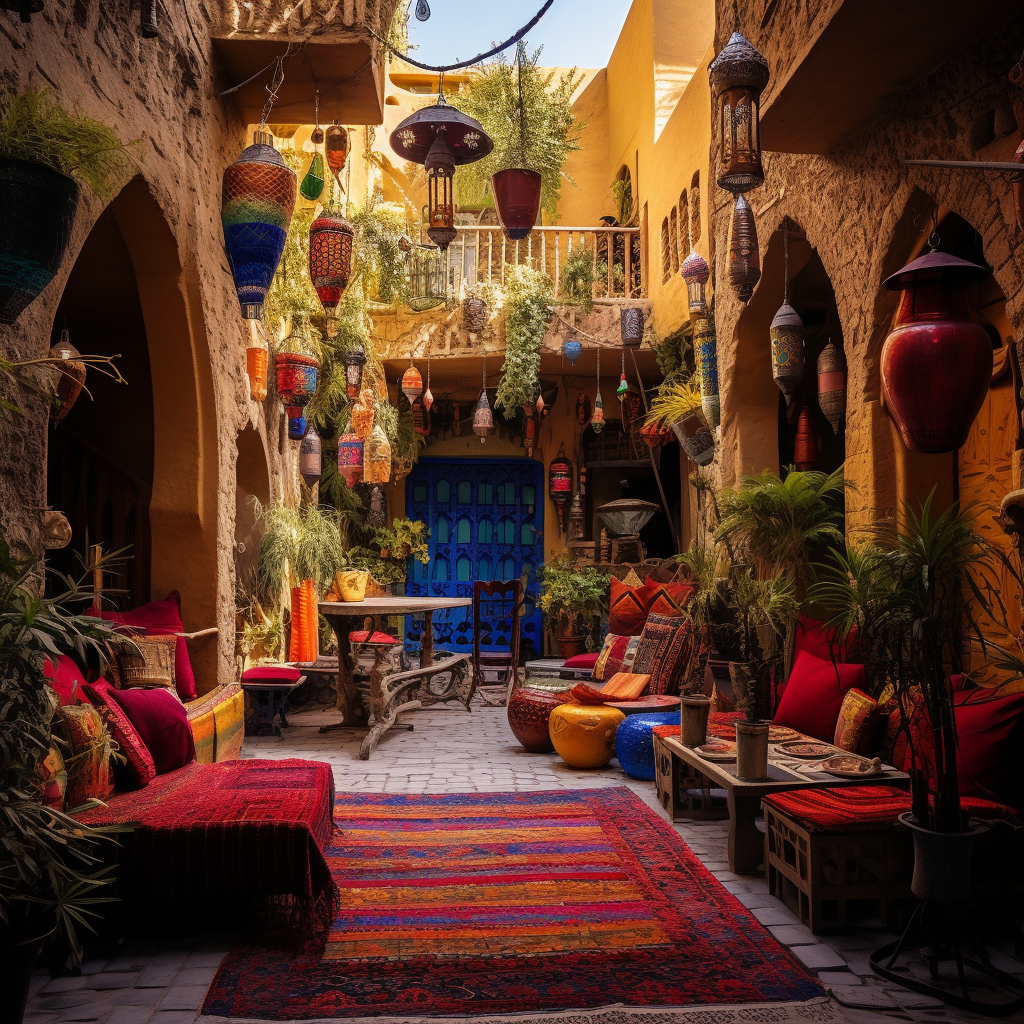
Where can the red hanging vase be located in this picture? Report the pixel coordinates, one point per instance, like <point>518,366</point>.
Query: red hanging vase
<point>517,199</point>
<point>805,450</point>
<point>936,363</point>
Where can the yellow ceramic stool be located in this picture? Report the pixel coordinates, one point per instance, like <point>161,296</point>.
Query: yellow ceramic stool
<point>584,735</point>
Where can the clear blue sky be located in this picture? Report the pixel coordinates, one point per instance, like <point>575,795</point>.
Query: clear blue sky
<point>573,32</point>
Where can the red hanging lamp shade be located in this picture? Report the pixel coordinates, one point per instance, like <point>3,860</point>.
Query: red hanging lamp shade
<point>936,363</point>
<point>412,383</point>
<point>330,261</point>
<point>560,484</point>
<point>805,450</point>
<point>832,386</point>
<point>517,200</point>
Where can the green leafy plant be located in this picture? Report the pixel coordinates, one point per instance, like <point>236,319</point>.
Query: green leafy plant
<point>674,355</point>
<point>625,208</point>
<point>675,403</point>
<point>299,543</point>
<point>572,592</point>
<point>387,560</point>
<point>578,278</point>
<point>35,127</point>
<point>379,263</point>
<point>529,116</point>
<point>528,301</point>
<point>51,872</point>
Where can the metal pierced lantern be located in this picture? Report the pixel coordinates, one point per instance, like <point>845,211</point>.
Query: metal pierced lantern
<point>350,459</point>
<point>412,383</point>
<point>936,363</point>
<point>377,518</point>
<point>483,418</point>
<point>631,326</point>
<point>296,370</point>
<point>377,457</point>
<point>257,354</point>
<point>257,200</point>
<point>744,258</point>
<point>560,484</point>
<point>441,138</point>
<point>354,360</point>
<point>705,344</point>
<point>738,76</point>
<point>336,150</point>
<point>832,386</point>
<point>577,518</point>
<point>572,349</point>
<point>330,261</point>
<point>695,272</point>
<point>309,457</point>
<point>787,334</point>
<point>68,377</point>
<point>805,450</point>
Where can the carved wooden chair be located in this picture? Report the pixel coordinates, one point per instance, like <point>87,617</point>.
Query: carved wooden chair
<point>495,603</point>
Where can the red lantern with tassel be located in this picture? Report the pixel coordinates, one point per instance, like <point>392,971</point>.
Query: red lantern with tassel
<point>805,451</point>
<point>330,261</point>
<point>560,485</point>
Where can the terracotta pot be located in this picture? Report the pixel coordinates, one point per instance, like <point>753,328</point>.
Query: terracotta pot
<point>528,712</point>
<point>942,863</point>
<point>517,199</point>
<point>694,722</point>
<point>570,646</point>
<point>752,750</point>
<point>936,363</point>
<point>17,962</point>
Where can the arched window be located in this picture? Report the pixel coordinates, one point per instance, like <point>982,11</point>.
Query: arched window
<point>673,239</point>
<point>463,531</point>
<point>465,493</point>
<point>507,568</point>
<point>528,535</point>
<point>684,226</point>
<point>419,492</point>
<point>695,209</point>
<point>485,494</point>
<point>440,569</point>
<point>507,493</point>
<point>443,531</point>
<point>506,531</point>
<point>463,568</point>
<point>666,259</point>
<point>485,531</point>
<point>443,492</point>
<point>528,494</point>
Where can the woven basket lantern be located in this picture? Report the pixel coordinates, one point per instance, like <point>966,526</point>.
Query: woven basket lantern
<point>330,261</point>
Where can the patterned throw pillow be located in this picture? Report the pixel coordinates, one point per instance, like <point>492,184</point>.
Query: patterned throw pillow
<point>139,769</point>
<point>627,609</point>
<point>667,598</point>
<point>855,726</point>
<point>616,655</point>
<point>664,651</point>
<point>53,780</point>
<point>88,764</point>
<point>145,661</point>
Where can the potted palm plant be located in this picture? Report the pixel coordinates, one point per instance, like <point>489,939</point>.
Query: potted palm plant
<point>571,594</point>
<point>679,406</point>
<point>51,874</point>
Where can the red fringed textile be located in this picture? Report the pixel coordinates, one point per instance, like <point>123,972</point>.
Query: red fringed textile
<point>850,809</point>
<point>226,834</point>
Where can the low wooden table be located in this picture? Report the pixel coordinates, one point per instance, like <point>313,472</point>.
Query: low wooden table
<point>743,797</point>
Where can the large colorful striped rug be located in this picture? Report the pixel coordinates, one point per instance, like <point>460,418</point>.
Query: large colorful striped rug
<point>510,903</point>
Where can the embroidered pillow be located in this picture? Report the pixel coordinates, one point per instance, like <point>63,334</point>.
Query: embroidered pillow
<point>664,651</point>
<point>667,598</point>
<point>627,609</point>
<point>53,780</point>
<point>139,769</point>
<point>855,726</point>
<point>88,764</point>
<point>144,661</point>
<point>616,655</point>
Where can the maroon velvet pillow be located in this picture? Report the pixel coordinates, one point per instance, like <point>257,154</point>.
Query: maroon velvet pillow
<point>990,746</point>
<point>583,661</point>
<point>814,695</point>
<point>162,722</point>
<point>813,637</point>
<point>162,618</point>
<point>66,680</point>
<point>139,769</point>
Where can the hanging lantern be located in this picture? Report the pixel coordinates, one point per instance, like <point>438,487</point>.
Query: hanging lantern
<point>312,184</point>
<point>428,396</point>
<point>296,370</point>
<point>330,261</point>
<point>529,429</point>
<point>705,344</point>
<point>539,404</point>
<point>377,518</point>
<point>412,383</point>
<point>936,363</point>
<point>377,457</point>
<point>336,150</point>
<point>362,414</point>
<point>631,326</point>
<point>582,410</point>
<point>560,484</point>
<point>744,258</point>
<point>441,138</point>
<point>256,356</point>
<point>738,76</point>
<point>309,457</point>
<point>597,419</point>
<point>420,419</point>
<point>577,520</point>
<point>572,349</point>
<point>354,360</point>
<point>456,423</point>
<point>68,377</point>
<point>257,201</point>
<point>296,422</point>
<point>350,459</point>
<point>693,432</point>
<point>787,334</point>
<point>805,450</point>
<point>516,192</point>
<point>695,272</point>
<point>483,418</point>
<point>832,386</point>
<point>623,389</point>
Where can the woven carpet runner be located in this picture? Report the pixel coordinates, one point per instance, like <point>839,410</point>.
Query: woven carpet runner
<point>512,903</point>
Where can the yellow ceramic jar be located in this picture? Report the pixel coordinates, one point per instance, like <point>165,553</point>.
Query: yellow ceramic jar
<point>584,735</point>
<point>352,583</point>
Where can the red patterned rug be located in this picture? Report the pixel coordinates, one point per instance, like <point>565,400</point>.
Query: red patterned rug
<point>512,903</point>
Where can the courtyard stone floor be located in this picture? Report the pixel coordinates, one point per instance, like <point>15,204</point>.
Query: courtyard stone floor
<point>450,751</point>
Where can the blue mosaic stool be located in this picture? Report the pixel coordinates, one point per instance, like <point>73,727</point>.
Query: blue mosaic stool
<point>634,742</point>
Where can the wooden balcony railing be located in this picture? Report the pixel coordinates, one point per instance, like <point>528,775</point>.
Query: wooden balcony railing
<point>481,254</point>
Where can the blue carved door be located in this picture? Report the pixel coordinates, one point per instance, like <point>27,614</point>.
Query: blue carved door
<point>486,519</point>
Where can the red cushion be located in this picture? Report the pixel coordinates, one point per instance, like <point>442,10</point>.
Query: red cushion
<point>627,609</point>
<point>990,746</point>
<point>161,618</point>
<point>812,636</point>
<point>66,679</point>
<point>162,722</point>
<point>140,768</point>
<point>271,674</point>
<point>583,660</point>
<point>667,598</point>
<point>849,809</point>
<point>362,636</point>
<point>814,695</point>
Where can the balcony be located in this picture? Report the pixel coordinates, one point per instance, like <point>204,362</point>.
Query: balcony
<point>331,45</point>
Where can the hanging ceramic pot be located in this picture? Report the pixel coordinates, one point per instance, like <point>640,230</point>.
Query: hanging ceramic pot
<point>631,326</point>
<point>257,201</point>
<point>309,457</point>
<point>39,211</point>
<point>517,200</point>
<point>832,386</point>
<point>744,257</point>
<point>936,363</point>
<point>695,437</point>
<point>350,459</point>
<point>330,261</point>
<point>787,334</point>
<point>805,450</point>
<point>572,349</point>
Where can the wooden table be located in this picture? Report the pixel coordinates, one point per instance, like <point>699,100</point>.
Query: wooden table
<point>345,617</point>
<point>746,841</point>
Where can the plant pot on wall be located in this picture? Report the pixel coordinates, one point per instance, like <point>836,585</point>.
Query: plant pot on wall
<point>517,199</point>
<point>39,211</point>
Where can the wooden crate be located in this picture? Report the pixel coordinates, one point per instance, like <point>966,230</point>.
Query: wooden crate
<point>683,792</point>
<point>818,874</point>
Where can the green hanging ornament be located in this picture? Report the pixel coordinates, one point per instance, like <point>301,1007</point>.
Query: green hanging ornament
<point>312,186</point>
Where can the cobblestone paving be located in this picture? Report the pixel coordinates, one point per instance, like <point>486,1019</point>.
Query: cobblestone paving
<point>450,751</point>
